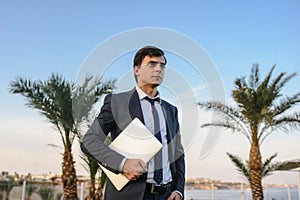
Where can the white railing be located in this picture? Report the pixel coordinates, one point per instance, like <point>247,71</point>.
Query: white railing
<point>288,193</point>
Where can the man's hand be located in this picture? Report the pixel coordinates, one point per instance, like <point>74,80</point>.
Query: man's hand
<point>174,196</point>
<point>134,168</point>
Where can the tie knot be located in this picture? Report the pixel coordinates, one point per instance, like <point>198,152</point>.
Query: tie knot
<point>152,100</point>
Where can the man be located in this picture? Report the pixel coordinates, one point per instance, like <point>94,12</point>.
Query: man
<point>164,176</point>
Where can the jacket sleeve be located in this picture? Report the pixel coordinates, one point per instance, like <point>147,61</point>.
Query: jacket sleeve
<point>179,159</point>
<point>93,141</point>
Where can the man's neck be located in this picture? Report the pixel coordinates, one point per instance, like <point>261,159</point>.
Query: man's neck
<point>150,91</point>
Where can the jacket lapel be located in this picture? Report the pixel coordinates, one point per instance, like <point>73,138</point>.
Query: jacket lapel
<point>135,106</point>
<point>167,118</point>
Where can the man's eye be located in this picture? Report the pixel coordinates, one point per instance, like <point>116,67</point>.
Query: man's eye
<point>163,66</point>
<point>152,64</point>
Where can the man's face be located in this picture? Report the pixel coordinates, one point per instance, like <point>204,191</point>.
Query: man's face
<point>151,71</point>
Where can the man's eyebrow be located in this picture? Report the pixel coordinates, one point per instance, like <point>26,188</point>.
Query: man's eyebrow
<point>152,61</point>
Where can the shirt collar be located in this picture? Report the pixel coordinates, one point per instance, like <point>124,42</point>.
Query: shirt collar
<point>142,94</point>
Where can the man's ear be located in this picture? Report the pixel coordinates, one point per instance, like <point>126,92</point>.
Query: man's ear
<point>136,70</point>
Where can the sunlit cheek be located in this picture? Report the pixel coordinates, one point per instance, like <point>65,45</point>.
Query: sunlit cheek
<point>162,75</point>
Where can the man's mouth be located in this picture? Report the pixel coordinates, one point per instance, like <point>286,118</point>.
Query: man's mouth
<point>156,77</point>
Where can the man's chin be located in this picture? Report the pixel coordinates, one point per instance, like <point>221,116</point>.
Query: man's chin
<point>155,85</point>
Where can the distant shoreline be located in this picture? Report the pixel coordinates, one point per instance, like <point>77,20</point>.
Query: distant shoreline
<point>207,184</point>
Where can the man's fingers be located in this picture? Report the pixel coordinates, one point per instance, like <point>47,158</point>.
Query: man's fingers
<point>131,176</point>
<point>135,165</point>
<point>174,196</point>
<point>143,166</point>
<point>134,168</point>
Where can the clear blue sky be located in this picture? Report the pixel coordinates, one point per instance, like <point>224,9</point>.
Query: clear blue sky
<point>41,37</point>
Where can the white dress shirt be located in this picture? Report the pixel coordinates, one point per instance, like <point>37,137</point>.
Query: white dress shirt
<point>149,123</point>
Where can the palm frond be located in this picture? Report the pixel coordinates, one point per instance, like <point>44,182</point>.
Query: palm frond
<point>254,76</point>
<point>285,104</point>
<point>91,165</point>
<point>55,99</point>
<point>38,99</point>
<point>225,110</point>
<point>233,119</point>
<point>279,83</point>
<point>239,94</point>
<point>291,121</point>
<point>227,125</point>
<point>268,167</point>
<point>240,166</point>
<point>285,123</point>
<point>265,83</point>
<point>84,97</point>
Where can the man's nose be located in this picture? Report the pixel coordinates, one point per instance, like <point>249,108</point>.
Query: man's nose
<point>159,67</point>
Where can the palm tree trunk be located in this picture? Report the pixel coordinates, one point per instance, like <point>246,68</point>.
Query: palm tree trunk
<point>99,193</point>
<point>69,177</point>
<point>91,195</point>
<point>7,196</point>
<point>94,194</point>
<point>255,172</point>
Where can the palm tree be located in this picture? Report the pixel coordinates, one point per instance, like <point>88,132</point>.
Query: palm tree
<point>87,95</point>
<point>243,167</point>
<point>92,166</point>
<point>6,186</point>
<point>3,183</point>
<point>30,189</point>
<point>60,102</point>
<point>46,192</point>
<point>58,196</point>
<point>261,109</point>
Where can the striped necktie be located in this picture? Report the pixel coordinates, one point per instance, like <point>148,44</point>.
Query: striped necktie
<point>158,172</point>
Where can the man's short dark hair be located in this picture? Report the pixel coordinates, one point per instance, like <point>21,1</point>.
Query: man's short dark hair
<point>147,51</point>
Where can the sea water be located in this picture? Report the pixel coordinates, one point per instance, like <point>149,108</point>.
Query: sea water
<point>269,194</point>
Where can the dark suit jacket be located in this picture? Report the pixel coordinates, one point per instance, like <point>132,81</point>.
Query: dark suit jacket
<point>116,113</point>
